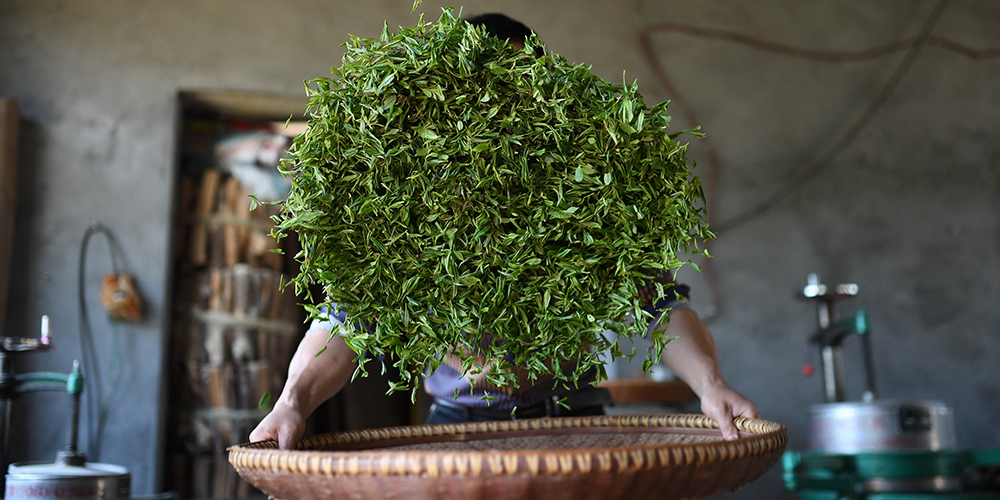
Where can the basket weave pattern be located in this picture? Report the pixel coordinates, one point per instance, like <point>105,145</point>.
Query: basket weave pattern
<point>628,456</point>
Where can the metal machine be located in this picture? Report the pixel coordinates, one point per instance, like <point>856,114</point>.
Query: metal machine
<point>878,449</point>
<point>70,477</point>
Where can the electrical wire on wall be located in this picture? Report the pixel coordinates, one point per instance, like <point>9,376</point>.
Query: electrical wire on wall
<point>120,299</point>
<point>809,171</point>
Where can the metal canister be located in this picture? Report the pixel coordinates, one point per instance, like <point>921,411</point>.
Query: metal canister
<point>90,481</point>
<point>857,427</point>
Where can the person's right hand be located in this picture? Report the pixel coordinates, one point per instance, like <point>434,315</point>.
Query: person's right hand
<point>284,424</point>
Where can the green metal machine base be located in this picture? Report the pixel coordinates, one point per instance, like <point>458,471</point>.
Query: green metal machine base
<point>833,495</point>
<point>897,475</point>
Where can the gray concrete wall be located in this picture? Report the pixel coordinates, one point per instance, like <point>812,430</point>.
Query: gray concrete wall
<point>910,210</point>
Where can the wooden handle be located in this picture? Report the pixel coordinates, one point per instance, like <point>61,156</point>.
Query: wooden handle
<point>9,127</point>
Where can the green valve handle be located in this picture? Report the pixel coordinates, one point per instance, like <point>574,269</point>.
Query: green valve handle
<point>861,321</point>
<point>74,381</point>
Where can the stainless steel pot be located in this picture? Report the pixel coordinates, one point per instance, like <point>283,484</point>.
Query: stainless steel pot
<point>90,481</point>
<point>882,426</point>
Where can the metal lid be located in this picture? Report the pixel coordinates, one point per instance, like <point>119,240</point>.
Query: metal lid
<point>878,405</point>
<point>59,471</point>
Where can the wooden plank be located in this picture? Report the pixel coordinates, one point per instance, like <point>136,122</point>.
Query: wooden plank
<point>232,250</point>
<point>263,369</point>
<point>9,128</point>
<point>201,477</point>
<point>240,206</point>
<point>223,480</point>
<point>206,205</point>
<point>185,197</point>
<point>180,474</point>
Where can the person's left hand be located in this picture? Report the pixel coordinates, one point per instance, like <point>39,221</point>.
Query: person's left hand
<point>722,404</point>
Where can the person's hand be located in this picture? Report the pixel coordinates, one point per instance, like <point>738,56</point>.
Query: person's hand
<point>722,404</point>
<point>284,424</point>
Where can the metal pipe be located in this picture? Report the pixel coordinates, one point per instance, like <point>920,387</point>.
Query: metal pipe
<point>833,373</point>
<point>824,311</point>
<point>861,326</point>
<point>8,387</point>
<point>4,432</point>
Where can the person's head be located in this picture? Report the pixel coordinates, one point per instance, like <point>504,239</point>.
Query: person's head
<point>502,27</point>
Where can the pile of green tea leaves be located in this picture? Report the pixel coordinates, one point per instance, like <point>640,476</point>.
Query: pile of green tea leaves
<point>462,197</point>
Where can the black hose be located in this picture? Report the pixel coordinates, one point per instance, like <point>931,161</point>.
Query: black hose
<point>93,383</point>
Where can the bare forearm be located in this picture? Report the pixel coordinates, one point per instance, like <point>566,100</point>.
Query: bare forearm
<point>316,374</point>
<point>691,356</point>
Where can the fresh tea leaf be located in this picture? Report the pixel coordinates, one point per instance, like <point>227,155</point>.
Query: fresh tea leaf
<point>453,191</point>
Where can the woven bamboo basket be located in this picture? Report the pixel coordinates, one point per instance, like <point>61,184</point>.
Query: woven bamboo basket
<point>629,457</point>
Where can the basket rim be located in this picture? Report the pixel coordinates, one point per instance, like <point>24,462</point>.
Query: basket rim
<point>758,438</point>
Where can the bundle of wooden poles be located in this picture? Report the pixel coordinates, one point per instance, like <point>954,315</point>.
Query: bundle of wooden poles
<point>234,333</point>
